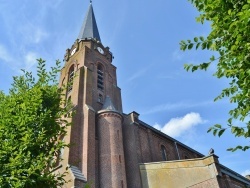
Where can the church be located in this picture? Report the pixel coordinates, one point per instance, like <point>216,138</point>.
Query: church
<point>111,149</point>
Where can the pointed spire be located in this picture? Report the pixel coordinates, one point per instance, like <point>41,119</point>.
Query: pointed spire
<point>108,105</point>
<point>89,27</point>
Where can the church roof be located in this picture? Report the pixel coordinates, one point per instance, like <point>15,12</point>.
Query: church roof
<point>77,173</point>
<point>108,105</point>
<point>89,27</point>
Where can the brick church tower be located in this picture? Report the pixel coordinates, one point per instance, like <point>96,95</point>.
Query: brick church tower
<point>96,152</point>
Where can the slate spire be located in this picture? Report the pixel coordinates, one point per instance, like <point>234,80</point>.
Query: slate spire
<point>89,27</point>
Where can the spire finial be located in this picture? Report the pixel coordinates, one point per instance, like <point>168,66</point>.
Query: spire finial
<point>90,1</point>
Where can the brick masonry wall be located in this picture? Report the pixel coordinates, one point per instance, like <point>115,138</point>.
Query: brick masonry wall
<point>170,148</point>
<point>131,151</point>
<point>236,184</point>
<point>142,145</point>
<point>150,147</point>
<point>111,154</point>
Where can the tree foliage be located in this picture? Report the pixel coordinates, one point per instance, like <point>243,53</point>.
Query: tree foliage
<point>230,37</point>
<point>30,125</point>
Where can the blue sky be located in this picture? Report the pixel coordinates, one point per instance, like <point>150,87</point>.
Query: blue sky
<point>144,37</point>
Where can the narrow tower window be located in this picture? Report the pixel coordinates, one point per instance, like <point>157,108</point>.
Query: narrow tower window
<point>122,183</point>
<point>70,78</point>
<point>100,77</point>
<point>68,102</point>
<point>164,153</point>
<point>60,153</point>
<point>100,98</point>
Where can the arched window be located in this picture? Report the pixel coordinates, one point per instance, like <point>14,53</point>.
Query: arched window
<point>164,153</point>
<point>70,78</point>
<point>100,77</point>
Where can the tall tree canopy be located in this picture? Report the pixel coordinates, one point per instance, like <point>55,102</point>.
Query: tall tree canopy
<point>230,37</point>
<point>30,125</point>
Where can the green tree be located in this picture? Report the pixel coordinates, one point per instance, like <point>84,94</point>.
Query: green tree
<point>230,38</point>
<point>30,125</point>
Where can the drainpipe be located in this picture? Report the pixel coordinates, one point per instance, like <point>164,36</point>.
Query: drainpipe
<point>177,150</point>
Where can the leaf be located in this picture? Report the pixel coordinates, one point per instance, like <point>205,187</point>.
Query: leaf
<point>197,45</point>
<point>187,66</point>
<point>215,131</point>
<point>209,44</point>
<point>233,129</point>
<point>217,126</point>
<point>210,129</point>
<point>194,68</point>
<point>245,148</point>
<point>190,46</point>
<point>212,58</point>
<point>203,45</point>
<point>183,47</point>
<point>221,132</point>
<point>245,7</point>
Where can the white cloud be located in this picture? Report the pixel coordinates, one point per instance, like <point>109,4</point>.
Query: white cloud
<point>175,106</point>
<point>39,35</point>
<point>32,33</point>
<point>177,126</point>
<point>4,55</point>
<point>16,63</point>
<point>139,73</point>
<point>52,4</point>
<point>246,172</point>
<point>177,55</point>
<point>10,60</point>
<point>30,60</point>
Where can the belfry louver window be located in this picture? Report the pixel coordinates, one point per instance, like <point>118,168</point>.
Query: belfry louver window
<point>100,77</point>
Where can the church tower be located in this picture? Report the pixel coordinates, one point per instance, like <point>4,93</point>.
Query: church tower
<point>96,153</point>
